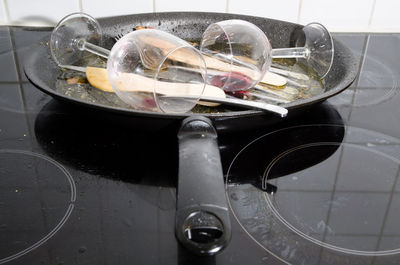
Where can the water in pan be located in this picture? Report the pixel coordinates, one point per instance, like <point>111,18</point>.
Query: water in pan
<point>75,85</point>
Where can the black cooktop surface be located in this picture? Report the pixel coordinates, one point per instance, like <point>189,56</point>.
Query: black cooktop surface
<point>320,188</point>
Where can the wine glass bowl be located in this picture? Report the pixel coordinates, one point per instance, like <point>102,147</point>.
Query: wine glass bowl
<point>237,54</point>
<point>146,68</point>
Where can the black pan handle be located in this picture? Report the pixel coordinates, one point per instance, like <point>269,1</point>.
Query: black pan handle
<point>202,221</point>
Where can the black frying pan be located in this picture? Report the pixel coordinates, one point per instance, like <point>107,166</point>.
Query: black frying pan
<point>202,221</point>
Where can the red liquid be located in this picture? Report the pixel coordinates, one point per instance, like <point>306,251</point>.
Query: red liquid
<point>149,103</point>
<point>237,81</point>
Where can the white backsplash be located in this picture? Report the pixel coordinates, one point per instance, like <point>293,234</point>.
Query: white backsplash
<point>286,10</point>
<point>336,15</point>
<point>188,5</point>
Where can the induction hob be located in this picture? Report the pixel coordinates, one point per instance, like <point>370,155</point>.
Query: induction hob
<point>321,188</point>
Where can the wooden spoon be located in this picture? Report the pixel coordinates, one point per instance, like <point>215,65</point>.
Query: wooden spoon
<point>186,57</point>
<point>212,95</point>
<point>98,78</point>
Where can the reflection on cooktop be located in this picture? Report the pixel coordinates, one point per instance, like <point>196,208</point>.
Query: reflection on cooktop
<point>321,210</point>
<point>317,188</point>
<point>36,199</point>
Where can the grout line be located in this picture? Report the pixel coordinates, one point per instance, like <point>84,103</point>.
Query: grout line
<point>299,11</point>
<point>387,212</point>
<point>227,6</point>
<point>6,12</point>
<point>333,192</point>
<point>154,6</point>
<point>365,30</point>
<point>80,6</point>
<point>14,49</point>
<point>371,15</point>
<point>9,83</point>
<point>21,90</point>
<point>360,69</point>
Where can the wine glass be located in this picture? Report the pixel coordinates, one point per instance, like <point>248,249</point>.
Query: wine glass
<point>146,61</point>
<point>74,36</point>
<point>140,70</point>
<point>238,53</point>
<point>163,73</point>
<point>314,47</point>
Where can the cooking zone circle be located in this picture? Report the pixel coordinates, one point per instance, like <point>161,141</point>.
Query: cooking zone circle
<point>322,202</point>
<point>375,84</point>
<point>36,199</point>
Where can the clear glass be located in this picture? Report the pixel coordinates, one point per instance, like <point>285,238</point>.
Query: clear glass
<point>146,68</point>
<point>75,37</point>
<point>237,54</point>
<point>153,70</point>
<point>314,48</point>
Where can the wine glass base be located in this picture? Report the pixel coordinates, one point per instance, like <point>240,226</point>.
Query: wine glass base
<point>68,33</point>
<point>318,43</point>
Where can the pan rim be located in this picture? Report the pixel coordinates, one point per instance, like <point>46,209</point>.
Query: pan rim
<point>346,80</point>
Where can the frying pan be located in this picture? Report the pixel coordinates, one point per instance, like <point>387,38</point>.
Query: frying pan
<point>202,220</point>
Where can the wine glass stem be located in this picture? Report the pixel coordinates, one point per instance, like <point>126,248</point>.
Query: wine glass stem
<point>87,46</point>
<point>298,52</point>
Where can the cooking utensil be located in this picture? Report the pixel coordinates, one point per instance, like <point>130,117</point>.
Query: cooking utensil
<point>43,73</point>
<point>133,55</point>
<point>247,53</point>
<point>67,43</point>
<point>98,78</point>
<point>216,66</point>
<point>212,96</point>
<point>239,102</point>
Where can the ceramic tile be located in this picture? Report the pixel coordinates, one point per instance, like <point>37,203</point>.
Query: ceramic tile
<point>8,72</point>
<point>389,243</point>
<point>286,10</point>
<point>358,162</point>
<point>23,39</point>
<point>359,242</point>
<point>392,220</point>
<point>377,88</point>
<point>354,41</point>
<point>2,14</point>
<point>385,16</point>
<point>345,219</point>
<point>340,15</point>
<point>182,5</point>
<point>319,177</point>
<point>40,12</point>
<point>306,211</point>
<point>119,7</point>
<point>14,132</point>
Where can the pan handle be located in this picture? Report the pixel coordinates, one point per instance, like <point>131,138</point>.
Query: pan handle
<point>202,221</point>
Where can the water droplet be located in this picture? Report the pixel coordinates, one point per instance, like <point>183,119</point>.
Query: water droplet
<point>82,249</point>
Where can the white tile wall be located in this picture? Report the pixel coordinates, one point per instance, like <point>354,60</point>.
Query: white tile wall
<point>336,15</point>
<point>97,8</point>
<point>386,15</point>
<point>190,5</point>
<point>2,14</point>
<point>286,10</point>
<point>40,12</point>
